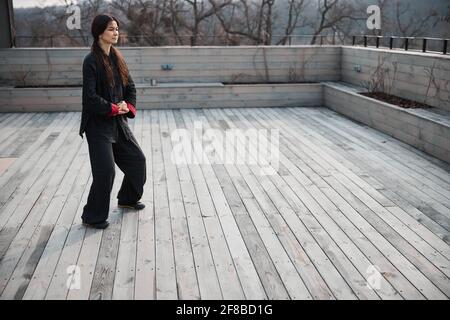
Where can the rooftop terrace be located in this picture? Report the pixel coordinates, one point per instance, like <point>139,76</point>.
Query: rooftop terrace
<point>357,206</point>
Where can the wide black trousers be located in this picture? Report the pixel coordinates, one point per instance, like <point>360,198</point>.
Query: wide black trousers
<point>103,155</point>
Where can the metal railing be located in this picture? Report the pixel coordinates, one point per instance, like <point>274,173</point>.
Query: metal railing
<point>405,42</point>
<point>156,40</point>
<point>424,44</point>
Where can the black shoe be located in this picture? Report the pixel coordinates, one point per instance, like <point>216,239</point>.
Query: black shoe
<point>99,225</point>
<point>136,206</point>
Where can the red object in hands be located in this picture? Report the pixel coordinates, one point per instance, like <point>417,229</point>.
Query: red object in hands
<point>114,110</point>
<point>132,109</point>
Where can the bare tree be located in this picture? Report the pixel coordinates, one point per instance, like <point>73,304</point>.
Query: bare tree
<point>437,83</point>
<point>176,20</point>
<point>295,10</point>
<point>200,12</point>
<point>383,77</point>
<point>335,15</point>
<point>249,20</point>
<point>411,25</point>
<point>52,20</point>
<point>149,21</point>
<point>230,22</point>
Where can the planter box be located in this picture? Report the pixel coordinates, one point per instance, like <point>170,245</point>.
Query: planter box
<point>254,64</point>
<point>425,129</point>
<point>412,72</point>
<point>170,95</point>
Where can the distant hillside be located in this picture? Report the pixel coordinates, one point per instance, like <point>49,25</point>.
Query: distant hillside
<point>416,18</point>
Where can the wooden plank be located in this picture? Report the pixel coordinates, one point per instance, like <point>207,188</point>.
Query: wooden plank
<point>86,261</point>
<point>227,274</point>
<point>189,63</point>
<point>109,268</point>
<point>352,278</point>
<point>405,78</point>
<point>421,263</point>
<point>58,288</point>
<point>417,59</point>
<point>208,281</point>
<point>27,249</point>
<point>409,167</point>
<point>7,117</point>
<point>403,67</point>
<point>9,125</point>
<point>194,73</point>
<point>271,277</point>
<point>229,104</point>
<point>98,255</point>
<point>281,210</point>
<point>125,269</point>
<point>380,172</point>
<point>275,272</point>
<point>18,143</point>
<point>69,192</point>
<point>415,197</point>
<point>8,130</point>
<point>177,50</point>
<point>7,217</point>
<point>396,147</point>
<point>404,154</point>
<point>248,276</point>
<point>331,224</point>
<point>422,280</point>
<point>243,204</point>
<point>361,210</point>
<point>5,163</point>
<point>370,164</point>
<point>125,273</point>
<point>166,281</point>
<point>179,55</point>
<point>315,174</point>
<point>419,215</point>
<point>30,157</point>
<point>395,248</point>
<point>145,286</point>
<point>28,204</point>
<point>61,96</point>
<point>228,97</point>
<point>187,284</point>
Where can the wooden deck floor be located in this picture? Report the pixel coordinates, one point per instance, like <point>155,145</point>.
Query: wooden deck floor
<point>350,214</point>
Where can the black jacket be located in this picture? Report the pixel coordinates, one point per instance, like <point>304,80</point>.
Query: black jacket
<point>97,99</point>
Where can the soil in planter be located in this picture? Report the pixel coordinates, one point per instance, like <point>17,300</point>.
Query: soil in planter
<point>389,98</point>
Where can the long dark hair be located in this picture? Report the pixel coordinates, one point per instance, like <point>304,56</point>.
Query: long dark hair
<point>99,25</point>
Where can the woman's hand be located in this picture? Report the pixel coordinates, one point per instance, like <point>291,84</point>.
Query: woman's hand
<point>123,107</point>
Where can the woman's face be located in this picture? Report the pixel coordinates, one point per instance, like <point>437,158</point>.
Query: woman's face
<point>111,34</point>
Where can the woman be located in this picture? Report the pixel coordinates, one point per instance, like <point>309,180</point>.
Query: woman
<point>109,98</point>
